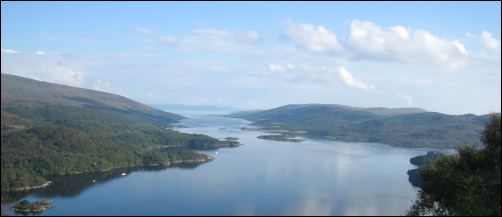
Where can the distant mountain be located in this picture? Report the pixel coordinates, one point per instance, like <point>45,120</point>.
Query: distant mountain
<point>407,127</point>
<point>50,129</point>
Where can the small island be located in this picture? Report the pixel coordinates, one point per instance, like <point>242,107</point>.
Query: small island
<point>231,138</point>
<point>229,143</point>
<point>25,207</point>
<point>281,138</point>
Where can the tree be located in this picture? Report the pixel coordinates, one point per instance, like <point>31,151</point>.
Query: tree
<point>467,183</point>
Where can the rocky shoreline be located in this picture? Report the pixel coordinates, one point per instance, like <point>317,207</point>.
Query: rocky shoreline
<point>24,207</point>
<point>32,187</point>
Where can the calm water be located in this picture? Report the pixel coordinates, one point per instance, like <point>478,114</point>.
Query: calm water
<point>261,177</point>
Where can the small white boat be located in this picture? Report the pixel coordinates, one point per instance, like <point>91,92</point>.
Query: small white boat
<point>123,174</point>
<point>94,180</point>
<point>215,152</point>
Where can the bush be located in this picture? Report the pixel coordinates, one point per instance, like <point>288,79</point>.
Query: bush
<point>467,183</point>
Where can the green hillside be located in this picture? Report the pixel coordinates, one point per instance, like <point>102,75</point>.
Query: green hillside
<point>49,129</point>
<point>406,127</point>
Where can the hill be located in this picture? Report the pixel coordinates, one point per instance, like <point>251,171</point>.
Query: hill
<point>406,127</point>
<point>49,129</point>
<point>19,91</point>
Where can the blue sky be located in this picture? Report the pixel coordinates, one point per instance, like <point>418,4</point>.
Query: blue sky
<point>439,56</point>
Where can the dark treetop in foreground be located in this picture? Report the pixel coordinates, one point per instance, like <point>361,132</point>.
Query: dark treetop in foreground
<point>467,183</point>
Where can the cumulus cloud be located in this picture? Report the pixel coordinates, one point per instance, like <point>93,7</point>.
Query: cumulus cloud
<point>9,51</point>
<point>370,41</point>
<point>407,98</point>
<point>39,52</point>
<point>491,45</point>
<point>316,39</point>
<point>350,81</point>
<point>489,41</point>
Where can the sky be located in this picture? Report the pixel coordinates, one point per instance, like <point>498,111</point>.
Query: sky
<point>439,56</point>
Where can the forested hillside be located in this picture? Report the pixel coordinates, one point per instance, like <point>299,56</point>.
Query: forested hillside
<point>49,129</point>
<point>406,127</point>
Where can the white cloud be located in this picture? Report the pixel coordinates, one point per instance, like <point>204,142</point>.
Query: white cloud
<point>147,40</point>
<point>222,101</point>
<point>9,51</point>
<point>469,35</point>
<point>106,87</point>
<point>489,41</point>
<point>371,41</point>
<point>234,35</point>
<point>316,39</point>
<point>350,81</point>
<point>64,74</point>
<point>39,52</point>
<point>401,31</point>
<point>460,47</point>
<point>275,67</point>
<point>222,40</point>
<point>407,98</point>
<point>150,96</point>
<point>491,51</point>
<point>168,39</point>
<point>56,68</point>
<point>253,104</point>
<point>198,100</point>
<point>143,30</point>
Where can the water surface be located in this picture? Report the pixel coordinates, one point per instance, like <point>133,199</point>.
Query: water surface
<point>261,177</point>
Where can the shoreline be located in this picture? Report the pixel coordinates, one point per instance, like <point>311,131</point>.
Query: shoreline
<point>27,188</point>
<point>306,135</point>
<point>206,159</point>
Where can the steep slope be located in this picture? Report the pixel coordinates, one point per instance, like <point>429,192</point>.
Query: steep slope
<point>407,127</point>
